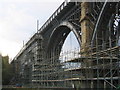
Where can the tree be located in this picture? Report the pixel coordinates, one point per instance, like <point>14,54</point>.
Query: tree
<point>6,70</point>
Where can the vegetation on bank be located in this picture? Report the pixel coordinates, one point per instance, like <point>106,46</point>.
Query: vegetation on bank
<point>6,70</point>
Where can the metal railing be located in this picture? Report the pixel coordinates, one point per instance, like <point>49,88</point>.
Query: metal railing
<point>60,8</point>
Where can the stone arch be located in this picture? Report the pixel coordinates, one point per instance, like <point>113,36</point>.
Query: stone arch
<point>59,34</point>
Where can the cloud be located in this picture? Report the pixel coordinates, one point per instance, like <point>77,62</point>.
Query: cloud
<point>7,46</point>
<point>14,23</point>
<point>32,0</point>
<point>71,43</point>
<point>15,26</point>
<point>19,19</point>
<point>18,22</point>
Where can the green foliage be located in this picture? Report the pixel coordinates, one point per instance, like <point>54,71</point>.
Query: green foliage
<point>118,88</point>
<point>6,71</point>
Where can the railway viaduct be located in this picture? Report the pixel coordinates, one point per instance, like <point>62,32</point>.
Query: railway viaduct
<point>97,28</point>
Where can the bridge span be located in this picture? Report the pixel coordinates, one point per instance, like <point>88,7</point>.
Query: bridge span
<point>96,64</point>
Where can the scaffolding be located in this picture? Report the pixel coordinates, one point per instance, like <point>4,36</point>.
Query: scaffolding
<point>99,70</point>
<point>96,67</point>
<point>95,64</point>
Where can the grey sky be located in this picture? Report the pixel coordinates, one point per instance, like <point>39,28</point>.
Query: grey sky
<point>18,21</point>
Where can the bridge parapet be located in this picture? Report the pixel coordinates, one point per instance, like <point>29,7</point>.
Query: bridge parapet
<point>60,8</point>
